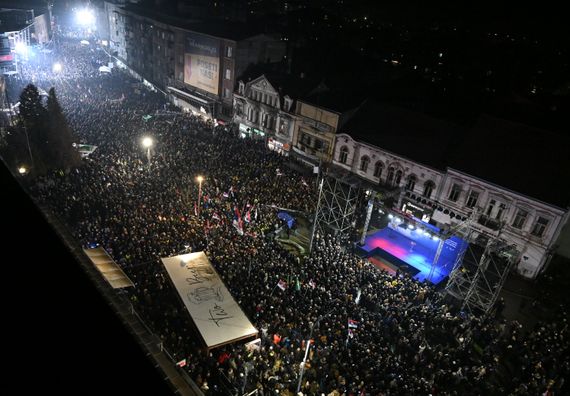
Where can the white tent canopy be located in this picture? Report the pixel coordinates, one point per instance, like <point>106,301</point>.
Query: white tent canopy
<point>215,313</point>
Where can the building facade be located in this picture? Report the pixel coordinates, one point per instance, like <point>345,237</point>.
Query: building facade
<point>448,197</point>
<point>195,64</point>
<point>262,112</point>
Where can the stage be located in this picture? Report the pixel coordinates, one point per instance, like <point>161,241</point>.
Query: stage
<point>413,248</point>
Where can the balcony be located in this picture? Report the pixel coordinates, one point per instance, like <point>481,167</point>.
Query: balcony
<point>489,222</point>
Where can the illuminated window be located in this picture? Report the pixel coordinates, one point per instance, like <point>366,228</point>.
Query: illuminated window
<point>343,155</point>
<point>364,161</point>
<point>229,52</point>
<point>228,74</point>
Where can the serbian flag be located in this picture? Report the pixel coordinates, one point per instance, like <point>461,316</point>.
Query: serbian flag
<point>352,324</point>
<point>181,363</point>
<point>239,219</point>
<point>282,284</point>
<point>248,217</point>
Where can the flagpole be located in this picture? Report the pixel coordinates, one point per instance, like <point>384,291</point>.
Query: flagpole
<point>316,214</point>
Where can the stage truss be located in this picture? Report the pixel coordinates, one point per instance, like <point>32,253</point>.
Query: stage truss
<point>479,286</point>
<point>336,206</point>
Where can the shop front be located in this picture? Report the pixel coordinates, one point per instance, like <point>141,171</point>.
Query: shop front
<point>280,147</point>
<point>246,131</point>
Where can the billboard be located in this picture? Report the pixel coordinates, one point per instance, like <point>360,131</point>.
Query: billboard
<point>202,62</point>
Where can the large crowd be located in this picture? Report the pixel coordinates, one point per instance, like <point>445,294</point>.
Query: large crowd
<point>403,338</point>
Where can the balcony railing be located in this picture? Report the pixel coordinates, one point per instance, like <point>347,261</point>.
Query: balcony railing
<point>489,222</point>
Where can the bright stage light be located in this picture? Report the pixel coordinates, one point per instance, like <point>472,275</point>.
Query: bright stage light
<point>57,67</point>
<point>390,216</point>
<point>435,238</point>
<point>85,17</point>
<point>21,48</point>
<point>410,227</point>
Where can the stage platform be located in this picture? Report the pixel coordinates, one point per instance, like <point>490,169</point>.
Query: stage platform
<point>412,251</point>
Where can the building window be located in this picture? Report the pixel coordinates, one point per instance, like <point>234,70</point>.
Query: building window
<point>398,178</point>
<point>428,188</point>
<point>520,219</point>
<point>390,178</point>
<point>378,167</point>
<point>500,211</point>
<point>229,52</point>
<point>539,227</point>
<point>491,206</point>
<point>228,74</point>
<point>411,183</point>
<point>364,161</point>
<point>343,157</point>
<point>226,93</point>
<point>454,193</point>
<point>472,199</point>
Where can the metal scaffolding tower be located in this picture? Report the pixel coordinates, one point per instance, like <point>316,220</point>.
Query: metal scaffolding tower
<point>480,273</point>
<point>336,205</point>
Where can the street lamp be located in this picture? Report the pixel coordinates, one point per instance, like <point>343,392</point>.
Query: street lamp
<point>147,143</point>
<point>85,17</point>
<point>200,180</point>
<point>22,170</point>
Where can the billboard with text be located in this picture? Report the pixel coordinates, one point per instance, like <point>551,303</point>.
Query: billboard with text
<point>202,62</point>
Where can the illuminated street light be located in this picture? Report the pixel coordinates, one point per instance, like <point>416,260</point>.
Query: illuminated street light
<point>57,67</point>
<point>85,17</point>
<point>147,143</point>
<point>22,170</point>
<point>200,179</point>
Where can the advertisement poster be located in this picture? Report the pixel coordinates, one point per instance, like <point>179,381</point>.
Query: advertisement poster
<point>202,63</point>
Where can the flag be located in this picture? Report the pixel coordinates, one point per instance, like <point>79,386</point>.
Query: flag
<point>239,225</point>
<point>352,324</point>
<point>248,217</point>
<point>236,225</point>
<point>216,216</point>
<point>282,284</point>
<point>357,300</point>
<point>181,363</point>
<point>304,183</point>
<point>350,334</point>
<point>312,283</point>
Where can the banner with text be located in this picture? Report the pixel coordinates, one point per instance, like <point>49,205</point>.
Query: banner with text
<point>215,313</point>
<point>202,62</point>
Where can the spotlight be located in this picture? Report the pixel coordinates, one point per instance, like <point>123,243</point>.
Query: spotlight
<point>85,17</point>
<point>21,48</point>
<point>57,67</point>
<point>390,216</point>
<point>435,237</point>
<point>410,227</point>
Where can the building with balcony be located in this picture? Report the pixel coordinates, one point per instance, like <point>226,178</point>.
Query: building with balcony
<point>499,174</point>
<point>264,107</point>
<point>196,63</point>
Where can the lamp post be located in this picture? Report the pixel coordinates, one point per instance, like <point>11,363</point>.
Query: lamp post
<point>147,143</point>
<point>200,179</point>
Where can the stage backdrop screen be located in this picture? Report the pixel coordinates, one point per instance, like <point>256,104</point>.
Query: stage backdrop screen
<point>202,62</point>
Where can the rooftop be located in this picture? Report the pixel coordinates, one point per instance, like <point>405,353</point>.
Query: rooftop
<point>524,159</point>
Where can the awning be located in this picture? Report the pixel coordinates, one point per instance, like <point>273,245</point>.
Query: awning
<point>108,268</point>
<point>188,95</point>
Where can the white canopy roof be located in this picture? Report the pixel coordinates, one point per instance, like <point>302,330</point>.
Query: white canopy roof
<point>215,313</point>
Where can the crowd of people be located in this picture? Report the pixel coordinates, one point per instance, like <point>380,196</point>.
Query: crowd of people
<point>370,332</point>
